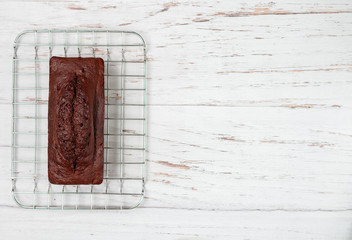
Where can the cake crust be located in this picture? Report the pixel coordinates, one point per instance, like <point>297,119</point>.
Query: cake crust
<point>76,121</point>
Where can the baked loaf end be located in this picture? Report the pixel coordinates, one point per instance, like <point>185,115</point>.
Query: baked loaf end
<point>76,121</point>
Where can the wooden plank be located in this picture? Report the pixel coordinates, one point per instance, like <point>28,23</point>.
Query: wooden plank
<point>268,156</point>
<point>175,224</point>
<point>230,158</point>
<point>272,57</point>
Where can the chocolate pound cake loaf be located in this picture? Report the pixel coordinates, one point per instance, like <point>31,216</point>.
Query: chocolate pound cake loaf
<point>76,121</point>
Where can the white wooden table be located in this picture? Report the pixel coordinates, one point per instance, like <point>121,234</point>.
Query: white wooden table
<point>250,127</point>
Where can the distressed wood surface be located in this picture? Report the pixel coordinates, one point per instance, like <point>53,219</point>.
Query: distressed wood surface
<point>249,119</point>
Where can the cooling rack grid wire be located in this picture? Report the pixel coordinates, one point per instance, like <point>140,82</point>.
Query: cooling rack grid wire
<point>124,54</point>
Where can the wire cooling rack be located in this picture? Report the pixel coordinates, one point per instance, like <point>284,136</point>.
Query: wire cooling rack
<point>124,54</point>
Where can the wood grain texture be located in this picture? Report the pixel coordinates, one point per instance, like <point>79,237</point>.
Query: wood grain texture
<point>175,224</point>
<point>249,118</point>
